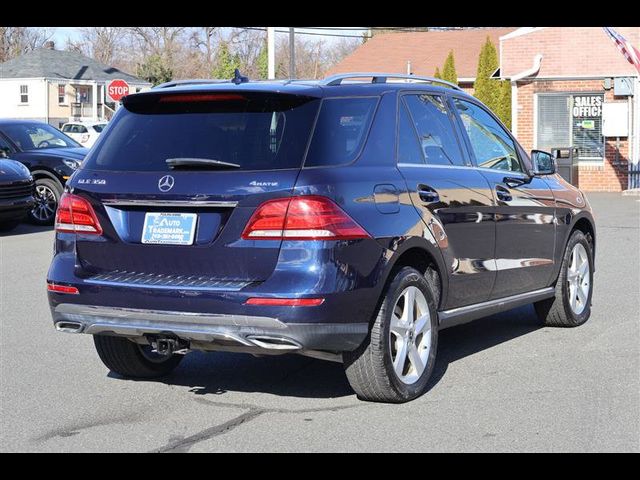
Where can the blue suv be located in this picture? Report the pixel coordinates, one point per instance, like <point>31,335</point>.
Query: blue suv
<point>348,219</point>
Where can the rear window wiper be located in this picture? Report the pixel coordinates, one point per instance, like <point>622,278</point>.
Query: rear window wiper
<point>204,163</point>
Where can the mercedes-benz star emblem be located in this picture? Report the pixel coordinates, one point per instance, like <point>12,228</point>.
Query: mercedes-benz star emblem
<point>166,183</point>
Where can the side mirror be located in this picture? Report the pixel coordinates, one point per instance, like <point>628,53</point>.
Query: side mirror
<point>543,163</point>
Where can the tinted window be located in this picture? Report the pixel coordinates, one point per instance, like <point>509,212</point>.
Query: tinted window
<point>98,128</point>
<point>257,131</point>
<point>491,145</point>
<point>35,136</point>
<point>408,146</point>
<point>5,149</point>
<point>341,130</point>
<point>435,130</point>
<point>66,128</point>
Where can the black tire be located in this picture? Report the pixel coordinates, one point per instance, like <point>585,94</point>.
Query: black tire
<point>36,216</point>
<point>128,359</point>
<point>369,368</point>
<point>557,311</point>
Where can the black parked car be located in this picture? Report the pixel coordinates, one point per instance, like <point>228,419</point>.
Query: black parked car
<point>16,193</point>
<point>49,154</point>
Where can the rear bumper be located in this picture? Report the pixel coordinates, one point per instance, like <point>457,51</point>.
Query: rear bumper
<point>219,331</point>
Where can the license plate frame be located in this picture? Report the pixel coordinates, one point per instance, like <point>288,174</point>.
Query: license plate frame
<point>169,228</point>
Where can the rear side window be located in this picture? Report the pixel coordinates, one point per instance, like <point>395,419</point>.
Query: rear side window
<point>98,128</point>
<point>408,147</point>
<point>341,129</point>
<point>253,130</point>
<point>435,130</point>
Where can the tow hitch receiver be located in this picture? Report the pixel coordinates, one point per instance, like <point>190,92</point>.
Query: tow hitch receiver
<point>169,346</point>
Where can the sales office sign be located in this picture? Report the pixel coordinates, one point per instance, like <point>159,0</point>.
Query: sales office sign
<point>589,106</point>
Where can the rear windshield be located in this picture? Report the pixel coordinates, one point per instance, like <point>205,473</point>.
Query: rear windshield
<point>253,131</point>
<point>99,127</point>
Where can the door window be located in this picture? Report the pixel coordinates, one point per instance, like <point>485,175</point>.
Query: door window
<point>5,149</point>
<point>491,145</point>
<point>408,146</point>
<point>435,130</point>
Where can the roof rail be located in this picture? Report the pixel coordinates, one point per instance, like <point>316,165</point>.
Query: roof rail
<point>175,83</point>
<point>237,79</point>
<point>377,77</point>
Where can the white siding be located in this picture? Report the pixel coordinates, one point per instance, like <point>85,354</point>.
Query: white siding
<point>10,106</point>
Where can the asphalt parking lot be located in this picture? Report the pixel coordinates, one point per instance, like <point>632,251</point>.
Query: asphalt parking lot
<point>500,384</point>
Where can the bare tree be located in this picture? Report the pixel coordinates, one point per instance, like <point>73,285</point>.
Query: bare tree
<point>203,41</point>
<point>15,41</point>
<point>104,44</point>
<point>339,50</point>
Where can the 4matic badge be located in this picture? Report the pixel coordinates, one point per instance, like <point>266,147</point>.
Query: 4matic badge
<point>263,184</point>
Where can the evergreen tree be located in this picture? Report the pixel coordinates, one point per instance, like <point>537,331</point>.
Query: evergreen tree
<point>226,62</point>
<point>449,70</point>
<point>503,110</point>
<point>262,63</point>
<point>437,73</point>
<point>494,93</point>
<point>155,70</point>
<point>487,89</point>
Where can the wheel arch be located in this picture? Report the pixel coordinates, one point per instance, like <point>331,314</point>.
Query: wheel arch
<point>40,172</point>
<point>586,226</point>
<point>421,255</point>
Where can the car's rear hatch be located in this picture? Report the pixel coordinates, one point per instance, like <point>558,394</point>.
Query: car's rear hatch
<point>175,177</point>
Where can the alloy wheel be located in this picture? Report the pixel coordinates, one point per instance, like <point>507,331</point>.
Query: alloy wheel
<point>46,203</point>
<point>410,335</point>
<point>578,279</point>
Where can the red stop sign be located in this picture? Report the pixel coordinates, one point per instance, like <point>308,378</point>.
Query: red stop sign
<point>117,89</point>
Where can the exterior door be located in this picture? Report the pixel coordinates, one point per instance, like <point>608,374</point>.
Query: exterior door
<point>454,200</point>
<point>524,205</point>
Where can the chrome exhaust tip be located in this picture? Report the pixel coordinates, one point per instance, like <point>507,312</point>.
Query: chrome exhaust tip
<point>274,343</point>
<point>69,327</point>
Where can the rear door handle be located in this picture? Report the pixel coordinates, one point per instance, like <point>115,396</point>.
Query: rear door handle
<point>428,194</point>
<point>503,194</point>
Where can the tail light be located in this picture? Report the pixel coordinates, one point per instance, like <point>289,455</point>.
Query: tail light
<point>285,302</point>
<point>302,218</point>
<point>201,97</point>
<point>52,287</point>
<point>76,215</point>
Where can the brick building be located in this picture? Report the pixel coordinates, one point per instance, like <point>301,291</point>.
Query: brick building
<point>570,87</point>
<point>564,80</point>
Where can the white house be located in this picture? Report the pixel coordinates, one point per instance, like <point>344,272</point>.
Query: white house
<point>56,86</point>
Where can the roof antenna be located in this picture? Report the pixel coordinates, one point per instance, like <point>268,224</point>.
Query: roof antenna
<point>238,78</point>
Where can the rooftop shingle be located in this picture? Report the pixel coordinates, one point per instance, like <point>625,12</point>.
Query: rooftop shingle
<point>425,50</point>
<point>62,64</point>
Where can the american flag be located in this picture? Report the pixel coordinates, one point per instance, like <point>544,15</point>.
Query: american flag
<point>630,52</point>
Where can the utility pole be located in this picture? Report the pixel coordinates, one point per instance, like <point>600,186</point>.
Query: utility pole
<point>292,53</point>
<point>271,52</point>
